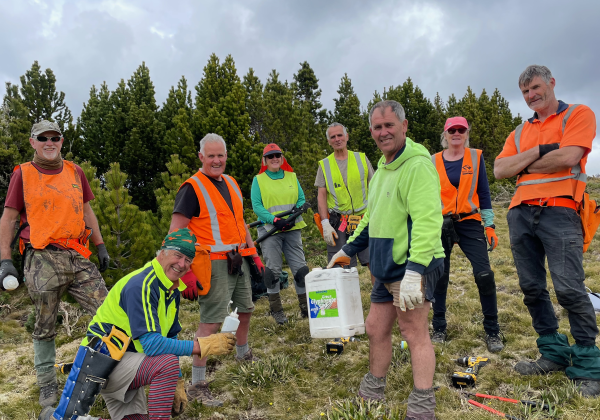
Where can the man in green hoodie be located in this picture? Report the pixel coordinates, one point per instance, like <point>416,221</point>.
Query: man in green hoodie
<point>402,228</point>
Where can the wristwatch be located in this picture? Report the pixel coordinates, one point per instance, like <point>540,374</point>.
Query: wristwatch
<point>493,226</point>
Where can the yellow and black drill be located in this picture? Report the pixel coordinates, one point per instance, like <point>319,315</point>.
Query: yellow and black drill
<point>469,376</point>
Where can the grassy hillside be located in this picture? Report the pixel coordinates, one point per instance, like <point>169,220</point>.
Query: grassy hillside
<point>296,379</point>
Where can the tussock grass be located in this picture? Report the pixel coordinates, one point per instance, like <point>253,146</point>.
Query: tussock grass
<point>296,379</point>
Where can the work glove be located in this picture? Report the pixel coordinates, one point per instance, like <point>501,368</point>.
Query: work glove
<point>192,286</point>
<point>328,233</point>
<point>547,148</point>
<point>339,258</point>
<point>411,293</point>
<point>180,401</point>
<point>492,238</point>
<point>7,269</point>
<point>259,264</point>
<point>279,223</point>
<point>216,344</point>
<point>103,257</point>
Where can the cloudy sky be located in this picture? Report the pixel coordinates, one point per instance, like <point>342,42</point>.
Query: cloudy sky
<point>444,46</point>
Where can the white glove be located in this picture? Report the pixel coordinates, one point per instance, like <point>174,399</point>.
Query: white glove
<point>328,232</point>
<point>336,257</point>
<point>410,290</point>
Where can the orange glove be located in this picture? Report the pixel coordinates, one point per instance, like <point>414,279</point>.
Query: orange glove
<point>492,238</point>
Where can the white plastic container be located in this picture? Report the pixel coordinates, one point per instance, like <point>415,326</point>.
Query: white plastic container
<point>334,303</point>
<point>10,282</point>
<point>232,321</point>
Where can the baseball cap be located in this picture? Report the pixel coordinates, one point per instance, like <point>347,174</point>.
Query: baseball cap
<point>181,240</point>
<point>270,149</point>
<point>456,122</point>
<point>43,126</point>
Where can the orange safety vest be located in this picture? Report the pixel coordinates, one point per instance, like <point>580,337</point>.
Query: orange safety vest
<point>54,205</point>
<point>217,228</point>
<point>463,200</point>
<point>569,182</point>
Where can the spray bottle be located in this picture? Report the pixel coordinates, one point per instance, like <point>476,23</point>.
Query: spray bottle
<point>10,283</point>
<point>232,321</point>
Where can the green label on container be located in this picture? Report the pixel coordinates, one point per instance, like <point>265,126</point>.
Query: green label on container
<point>323,304</point>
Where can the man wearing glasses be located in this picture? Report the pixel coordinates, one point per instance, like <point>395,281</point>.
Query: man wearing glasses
<point>342,182</point>
<point>50,197</point>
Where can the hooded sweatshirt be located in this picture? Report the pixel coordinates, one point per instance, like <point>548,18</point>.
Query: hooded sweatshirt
<point>403,223</point>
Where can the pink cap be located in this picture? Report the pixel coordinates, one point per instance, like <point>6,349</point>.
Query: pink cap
<point>456,121</point>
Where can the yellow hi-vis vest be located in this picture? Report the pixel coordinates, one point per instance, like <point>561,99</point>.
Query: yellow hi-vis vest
<point>350,199</point>
<point>279,195</point>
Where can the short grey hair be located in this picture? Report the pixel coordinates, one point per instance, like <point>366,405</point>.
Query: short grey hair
<point>165,251</point>
<point>532,71</point>
<point>445,142</point>
<point>396,109</point>
<point>212,138</point>
<point>335,124</point>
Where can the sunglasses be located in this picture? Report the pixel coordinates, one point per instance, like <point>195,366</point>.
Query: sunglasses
<point>274,155</point>
<point>44,139</point>
<point>461,130</point>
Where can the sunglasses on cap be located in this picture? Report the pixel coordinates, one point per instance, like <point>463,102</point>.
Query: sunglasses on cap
<point>274,155</point>
<point>44,139</point>
<point>461,130</point>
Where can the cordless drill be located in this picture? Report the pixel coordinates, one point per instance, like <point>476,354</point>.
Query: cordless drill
<point>469,376</point>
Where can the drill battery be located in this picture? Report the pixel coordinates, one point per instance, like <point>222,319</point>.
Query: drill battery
<point>468,378</point>
<point>337,344</point>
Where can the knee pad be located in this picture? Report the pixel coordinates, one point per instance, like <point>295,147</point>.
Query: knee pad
<point>531,296</point>
<point>269,278</point>
<point>300,275</point>
<point>485,282</point>
<point>88,376</point>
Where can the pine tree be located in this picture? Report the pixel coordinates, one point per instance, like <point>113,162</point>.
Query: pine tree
<point>125,229</point>
<point>94,128</point>
<point>255,105</point>
<point>306,87</point>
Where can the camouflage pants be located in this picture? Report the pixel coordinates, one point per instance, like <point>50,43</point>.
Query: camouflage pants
<point>51,273</point>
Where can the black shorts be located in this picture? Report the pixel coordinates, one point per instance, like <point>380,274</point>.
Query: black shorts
<point>380,293</point>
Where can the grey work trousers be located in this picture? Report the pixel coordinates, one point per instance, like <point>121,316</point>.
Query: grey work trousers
<point>554,233</point>
<point>288,243</point>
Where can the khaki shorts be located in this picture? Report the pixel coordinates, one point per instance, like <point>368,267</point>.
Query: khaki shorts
<point>223,288</point>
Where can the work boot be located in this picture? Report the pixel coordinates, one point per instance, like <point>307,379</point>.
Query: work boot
<point>277,308</point>
<point>439,337</point>
<point>588,387</point>
<point>421,404</point>
<point>48,394</point>
<point>46,413</point>
<point>372,388</point>
<point>248,357</point>
<point>539,367</point>
<point>200,392</point>
<point>494,343</point>
<point>303,305</point>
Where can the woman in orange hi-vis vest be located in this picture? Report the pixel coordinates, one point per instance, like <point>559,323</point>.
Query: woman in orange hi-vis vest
<point>466,203</point>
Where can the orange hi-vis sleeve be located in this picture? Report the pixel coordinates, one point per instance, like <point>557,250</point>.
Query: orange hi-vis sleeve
<point>54,204</point>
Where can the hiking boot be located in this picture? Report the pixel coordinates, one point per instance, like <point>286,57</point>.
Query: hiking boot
<point>372,388</point>
<point>279,317</point>
<point>248,357</point>
<point>277,308</point>
<point>200,392</point>
<point>48,394</point>
<point>439,337</point>
<point>46,413</point>
<point>494,343</point>
<point>539,367</point>
<point>588,387</point>
<point>303,305</point>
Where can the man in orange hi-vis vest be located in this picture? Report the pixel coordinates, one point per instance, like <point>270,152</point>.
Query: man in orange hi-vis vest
<point>50,196</point>
<point>210,204</point>
<point>548,153</point>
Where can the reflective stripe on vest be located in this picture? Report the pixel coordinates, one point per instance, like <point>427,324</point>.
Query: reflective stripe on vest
<point>463,199</point>
<point>334,203</point>
<point>576,173</point>
<point>279,195</point>
<point>63,218</point>
<point>215,226</point>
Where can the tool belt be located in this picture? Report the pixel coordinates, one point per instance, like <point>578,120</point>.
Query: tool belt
<point>449,235</point>
<point>344,222</point>
<point>246,252</point>
<point>80,244</point>
<point>552,202</point>
<point>459,216</point>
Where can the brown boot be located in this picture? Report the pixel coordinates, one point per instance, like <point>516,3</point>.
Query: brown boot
<point>277,308</point>
<point>303,305</point>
